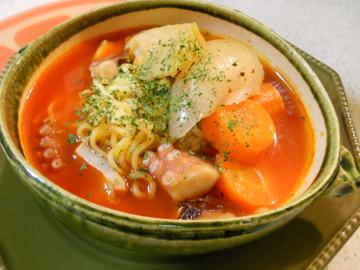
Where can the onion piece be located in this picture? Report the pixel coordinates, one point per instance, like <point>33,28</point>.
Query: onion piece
<point>101,164</point>
<point>227,73</point>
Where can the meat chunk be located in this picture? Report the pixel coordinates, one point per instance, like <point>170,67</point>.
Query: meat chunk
<point>49,147</point>
<point>203,208</point>
<point>107,58</point>
<point>208,214</point>
<point>104,69</point>
<point>182,175</point>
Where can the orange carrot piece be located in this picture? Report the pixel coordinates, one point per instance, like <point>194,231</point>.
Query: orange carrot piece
<point>109,49</point>
<point>241,131</point>
<point>269,97</point>
<point>244,186</point>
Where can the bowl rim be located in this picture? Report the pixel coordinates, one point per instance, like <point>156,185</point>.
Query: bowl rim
<point>113,218</point>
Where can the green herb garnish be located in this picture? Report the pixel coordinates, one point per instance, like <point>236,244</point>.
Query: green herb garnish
<point>231,125</point>
<point>82,168</point>
<point>72,139</point>
<point>219,168</point>
<point>226,155</point>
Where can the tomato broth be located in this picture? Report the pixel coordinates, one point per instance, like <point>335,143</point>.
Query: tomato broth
<point>57,92</point>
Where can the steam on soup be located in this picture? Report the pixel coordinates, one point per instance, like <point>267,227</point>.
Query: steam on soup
<point>168,122</point>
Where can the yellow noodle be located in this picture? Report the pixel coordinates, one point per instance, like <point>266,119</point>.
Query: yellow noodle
<point>139,137</point>
<point>84,130</point>
<point>141,148</point>
<point>123,148</point>
<point>120,152</point>
<point>121,143</point>
<point>98,137</point>
<point>113,139</point>
<point>112,162</point>
<point>150,185</point>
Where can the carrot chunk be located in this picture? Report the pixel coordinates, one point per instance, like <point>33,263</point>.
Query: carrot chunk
<point>244,186</point>
<point>109,49</point>
<point>269,97</point>
<point>241,131</point>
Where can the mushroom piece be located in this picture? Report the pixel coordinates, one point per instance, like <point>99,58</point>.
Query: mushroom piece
<point>183,176</point>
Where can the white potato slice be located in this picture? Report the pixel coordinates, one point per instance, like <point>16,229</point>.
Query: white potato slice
<point>227,72</point>
<point>165,51</point>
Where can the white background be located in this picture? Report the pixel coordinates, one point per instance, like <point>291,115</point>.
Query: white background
<point>327,29</point>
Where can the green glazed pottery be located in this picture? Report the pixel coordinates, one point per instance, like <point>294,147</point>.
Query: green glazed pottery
<point>332,171</point>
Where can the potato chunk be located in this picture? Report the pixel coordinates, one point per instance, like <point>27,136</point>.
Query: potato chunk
<point>165,51</point>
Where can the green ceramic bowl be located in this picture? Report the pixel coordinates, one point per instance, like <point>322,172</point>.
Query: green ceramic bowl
<point>332,170</point>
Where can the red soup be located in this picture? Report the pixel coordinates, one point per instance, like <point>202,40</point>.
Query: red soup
<point>262,173</point>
